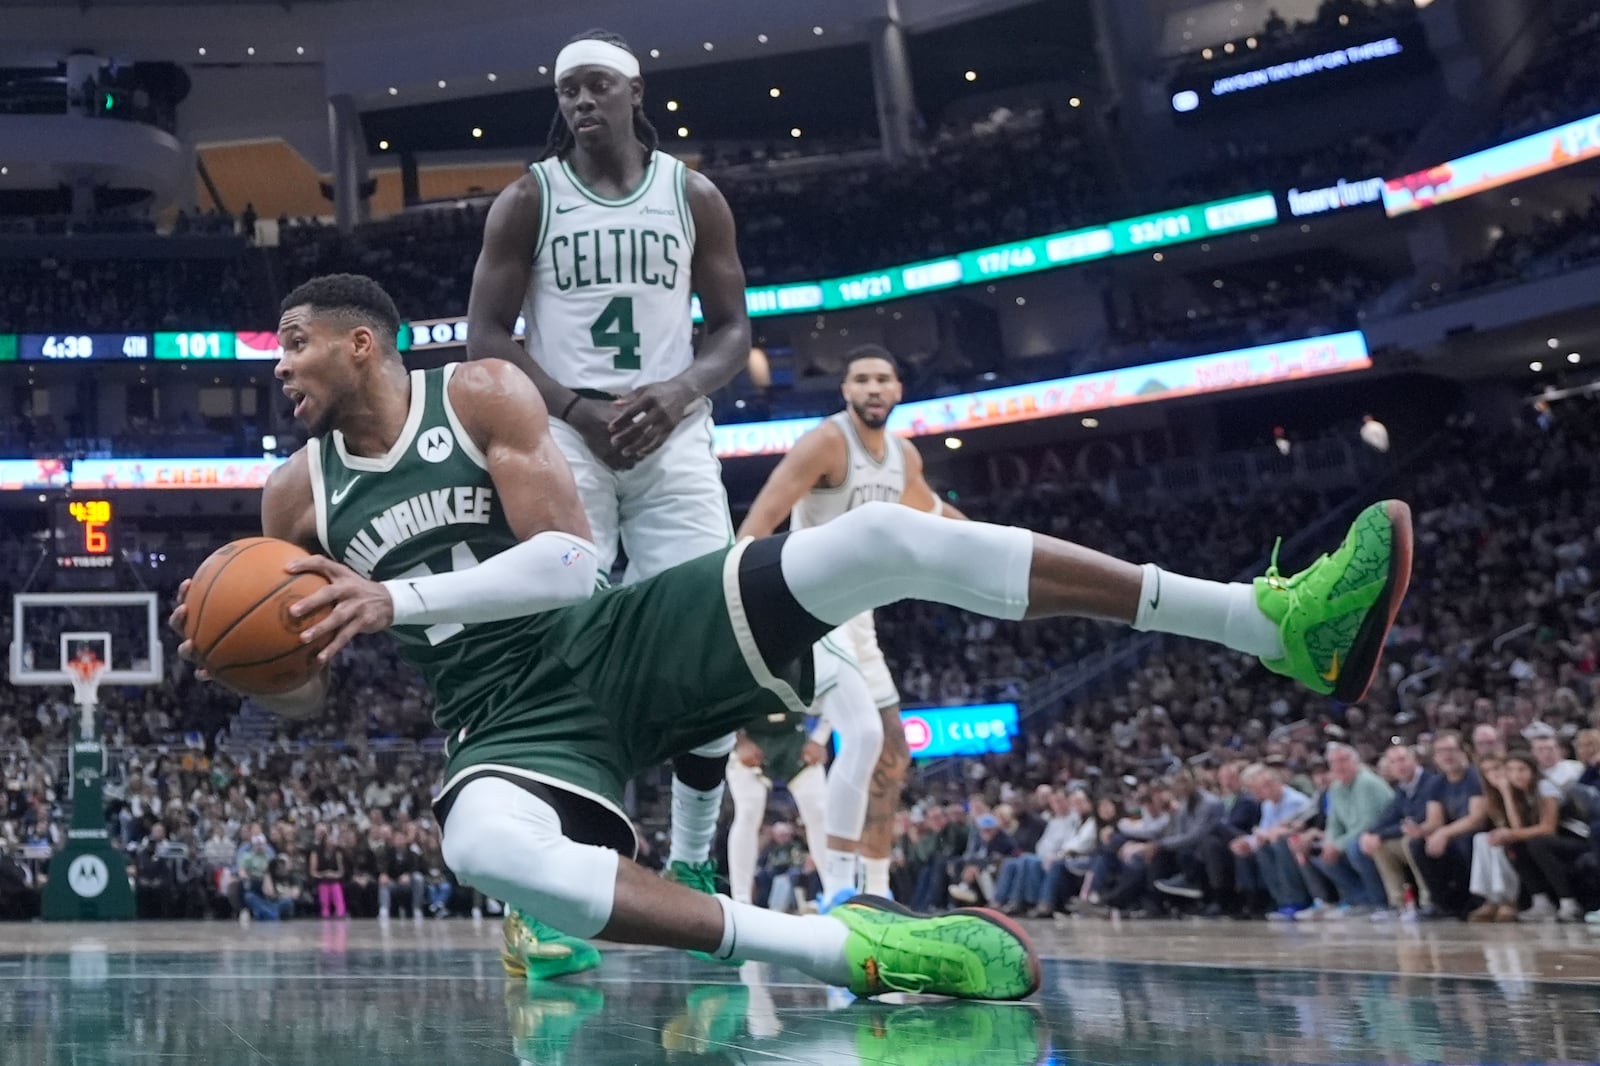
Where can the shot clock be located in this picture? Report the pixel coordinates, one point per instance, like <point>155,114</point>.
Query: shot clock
<point>85,534</point>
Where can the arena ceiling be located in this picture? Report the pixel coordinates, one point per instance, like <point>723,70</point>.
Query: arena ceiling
<point>367,47</point>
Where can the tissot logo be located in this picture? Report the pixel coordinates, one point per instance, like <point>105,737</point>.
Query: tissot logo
<point>436,445</point>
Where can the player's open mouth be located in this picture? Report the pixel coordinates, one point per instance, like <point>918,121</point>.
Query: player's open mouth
<point>298,399</point>
<point>588,124</point>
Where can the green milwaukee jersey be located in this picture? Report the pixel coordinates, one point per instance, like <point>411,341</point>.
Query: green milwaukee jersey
<point>580,698</point>
<point>427,507</point>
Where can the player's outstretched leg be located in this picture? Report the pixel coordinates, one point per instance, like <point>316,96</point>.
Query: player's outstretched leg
<point>1324,627</point>
<point>508,843</point>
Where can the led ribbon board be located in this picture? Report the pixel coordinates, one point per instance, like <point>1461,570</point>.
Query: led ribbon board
<point>1526,157</point>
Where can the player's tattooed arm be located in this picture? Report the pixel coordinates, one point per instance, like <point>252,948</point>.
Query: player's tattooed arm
<point>817,460</point>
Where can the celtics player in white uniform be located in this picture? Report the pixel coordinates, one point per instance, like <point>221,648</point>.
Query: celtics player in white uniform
<point>849,461</point>
<point>439,509</point>
<point>599,247</point>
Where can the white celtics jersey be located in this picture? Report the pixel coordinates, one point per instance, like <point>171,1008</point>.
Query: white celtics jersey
<point>866,479</point>
<point>608,306</point>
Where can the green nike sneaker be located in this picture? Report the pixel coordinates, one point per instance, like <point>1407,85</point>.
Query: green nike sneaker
<point>1335,614</point>
<point>969,954</point>
<point>951,1034</point>
<point>711,1017</point>
<point>535,952</point>
<point>546,1018</point>
<point>702,877</point>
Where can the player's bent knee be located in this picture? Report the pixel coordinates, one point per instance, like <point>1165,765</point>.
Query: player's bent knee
<point>508,844</point>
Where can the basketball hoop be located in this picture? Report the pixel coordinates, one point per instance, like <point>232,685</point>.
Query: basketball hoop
<point>86,669</point>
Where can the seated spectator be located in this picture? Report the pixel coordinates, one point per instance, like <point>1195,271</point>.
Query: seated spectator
<point>1442,855</point>
<point>264,899</point>
<point>1415,811</point>
<point>1022,878</point>
<point>1543,851</point>
<point>1356,799</point>
<point>780,865</point>
<point>1494,875</point>
<point>1263,856</point>
<point>1194,814</point>
<point>942,839</point>
<point>1211,873</point>
<point>974,873</point>
<point>19,896</point>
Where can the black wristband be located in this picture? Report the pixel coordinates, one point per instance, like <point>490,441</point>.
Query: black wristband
<point>565,411</point>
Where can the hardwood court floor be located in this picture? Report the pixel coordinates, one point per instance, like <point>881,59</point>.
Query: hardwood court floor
<point>403,993</point>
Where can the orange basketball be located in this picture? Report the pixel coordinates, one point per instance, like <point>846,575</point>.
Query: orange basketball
<point>239,620</point>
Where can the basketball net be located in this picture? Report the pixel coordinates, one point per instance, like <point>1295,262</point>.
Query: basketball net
<point>86,669</point>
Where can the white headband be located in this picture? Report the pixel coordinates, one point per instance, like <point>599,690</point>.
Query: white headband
<point>596,54</point>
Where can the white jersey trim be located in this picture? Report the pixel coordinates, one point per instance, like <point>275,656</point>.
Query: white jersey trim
<point>469,447</point>
<point>386,462</point>
<point>319,492</point>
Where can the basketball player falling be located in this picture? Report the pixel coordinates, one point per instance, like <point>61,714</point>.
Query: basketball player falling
<point>455,523</point>
<point>599,246</point>
<point>848,461</point>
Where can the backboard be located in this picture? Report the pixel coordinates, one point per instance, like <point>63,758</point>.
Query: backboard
<point>122,628</point>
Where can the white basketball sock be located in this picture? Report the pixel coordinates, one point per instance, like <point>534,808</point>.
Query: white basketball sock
<point>875,876</point>
<point>694,822</point>
<point>838,872</point>
<point>811,943</point>
<point>1226,614</point>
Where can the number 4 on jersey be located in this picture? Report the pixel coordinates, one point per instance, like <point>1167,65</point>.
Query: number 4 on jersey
<point>614,329</point>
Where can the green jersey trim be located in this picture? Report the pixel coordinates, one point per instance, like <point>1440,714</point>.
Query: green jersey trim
<point>386,462</point>
<point>545,196</point>
<point>469,447</point>
<point>589,194</point>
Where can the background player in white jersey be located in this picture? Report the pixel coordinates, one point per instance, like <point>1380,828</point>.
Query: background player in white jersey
<point>848,461</point>
<point>599,247</point>
<point>780,749</point>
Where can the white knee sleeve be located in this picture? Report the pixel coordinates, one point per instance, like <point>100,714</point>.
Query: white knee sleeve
<point>881,553</point>
<point>849,707</point>
<point>507,843</point>
<point>749,792</point>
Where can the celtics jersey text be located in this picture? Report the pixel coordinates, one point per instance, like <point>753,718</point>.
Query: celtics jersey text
<point>608,307</point>
<point>427,507</point>
<point>866,479</point>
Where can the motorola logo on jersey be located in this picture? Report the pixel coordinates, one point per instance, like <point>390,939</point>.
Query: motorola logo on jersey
<point>87,876</point>
<point>436,445</point>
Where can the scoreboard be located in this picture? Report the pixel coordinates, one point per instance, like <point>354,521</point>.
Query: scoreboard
<point>85,534</point>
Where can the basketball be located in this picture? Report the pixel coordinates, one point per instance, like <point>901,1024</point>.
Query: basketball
<point>239,619</point>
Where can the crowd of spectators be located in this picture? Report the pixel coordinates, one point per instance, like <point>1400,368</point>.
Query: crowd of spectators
<point>1257,302</point>
<point>1554,242</point>
<point>1561,82</point>
<point>1218,789</point>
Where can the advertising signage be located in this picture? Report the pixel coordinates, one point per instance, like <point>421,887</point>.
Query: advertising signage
<point>1200,375</point>
<point>1526,157</point>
